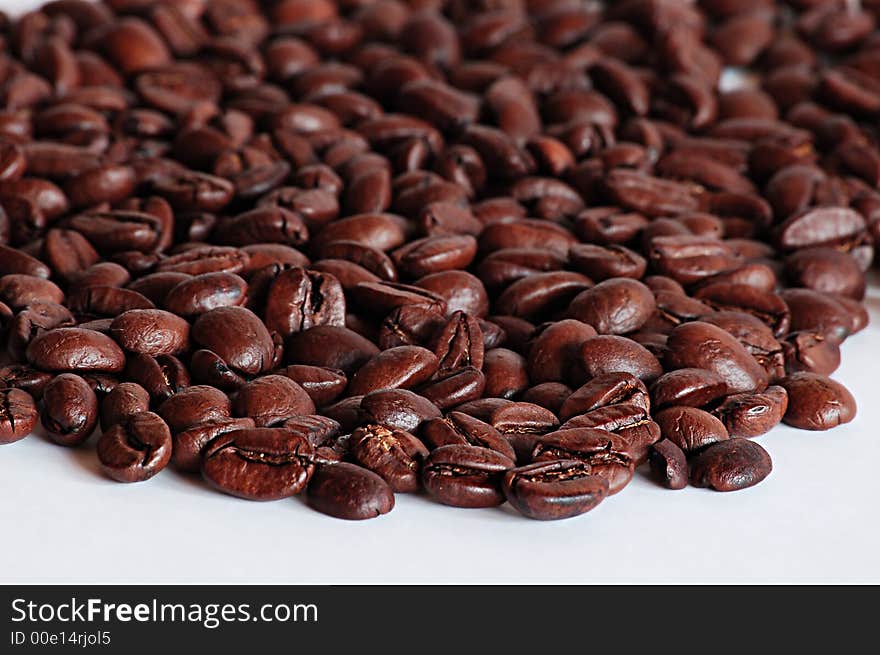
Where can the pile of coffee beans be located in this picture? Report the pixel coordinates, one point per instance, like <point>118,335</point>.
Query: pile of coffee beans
<point>484,250</point>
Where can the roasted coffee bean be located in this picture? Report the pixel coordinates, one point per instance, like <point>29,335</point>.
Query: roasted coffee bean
<point>690,429</point>
<point>271,399</point>
<point>161,376</point>
<point>323,385</point>
<point>18,415</point>
<point>459,428</point>
<point>403,367</point>
<point>70,410</point>
<point>21,376</point>
<point>555,348</point>
<point>690,387</point>
<point>608,456</point>
<point>730,465</point>
<point>126,399</point>
<point>550,490</point>
<point>454,387</point>
<point>805,351</point>
<point>669,464</point>
<point>75,349</point>
<point>151,332</point>
<point>394,454</point>
<point>614,306</point>
<point>238,336</point>
<point>259,463</point>
<point>615,354</point>
<point>816,402</point>
<point>330,346</point>
<point>753,414</point>
<point>549,395</point>
<point>465,476</point>
<point>604,390</point>
<point>349,492</point>
<point>136,449</point>
<point>194,405</point>
<point>702,345</point>
<point>397,408</point>
<point>460,343</point>
<point>190,444</point>
<point>192,296</point>
<point>300,299</point>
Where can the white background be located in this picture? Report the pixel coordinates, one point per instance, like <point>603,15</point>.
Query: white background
<point>815,519</point>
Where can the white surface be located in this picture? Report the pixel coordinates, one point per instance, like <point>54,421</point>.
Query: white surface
<point>814,519</point>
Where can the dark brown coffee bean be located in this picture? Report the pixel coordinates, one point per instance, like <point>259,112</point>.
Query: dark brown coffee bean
<point>125,400</point>
<point>161,376</point>
<point>615,354</point>
<point>299,299</point>
<point>394,454</point>
<point>402,367</point>
<point>701,345</point>
<point>465,476</point>
<point>349,492</point>
<point>192,296</point>
<point>194,405</point>
<point>669,464</point>
<point>730,465</point>
<point>238,336</point>
<point>332,347</point>
<point>18,415</point>
<point>136,449</point>
<point>753,414</point>
<point>75,349</point>
<point>70,410</point>
<point>551,490</point>
<point>21,376</point>
<point>190,444</point>
<point>323,385</point>
<point>603,390</point>
<point>258,463</point>
<point>816,402</point>
<point>151,332</point>
<point>459,428</point>
<point>691,387</point>
<point>689,428</point>
<point>271,399</point>
<point>607,455</point>
<point>397,408</point>
<point>614,306</point>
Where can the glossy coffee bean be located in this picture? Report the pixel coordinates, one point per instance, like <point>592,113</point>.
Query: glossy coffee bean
<point>70,410</point>
<point>465,476</point>
<point>816,402</point>
<point>553,490</point>
<point>690,429</point>
<point>350,492</point>
<point>258,463</point>
<point>669,464</point>
<point>18,415</point>
<point>730,465</point>
<point>136,449</point>
<point>394,454</point>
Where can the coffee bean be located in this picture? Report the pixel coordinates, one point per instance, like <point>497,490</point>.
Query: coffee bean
<point>690,429</point>
<point>730,465</point>
<point>258,463</point>
<point>151,332</point>
<point>669,464</point>
<point>465,476</point>
<point>816,402</point>
<point>270,399</point>
<point>550,490</point>
<point>394,454</point>
<point>136,449</point>
<point>349,492</point>
<point>18,415</point>
<point>70,410</point>
<point>75,349</point>
<point>126,399</point>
